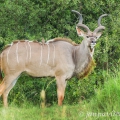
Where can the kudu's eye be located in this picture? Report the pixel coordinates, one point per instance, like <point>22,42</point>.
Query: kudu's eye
<point>87,36</point>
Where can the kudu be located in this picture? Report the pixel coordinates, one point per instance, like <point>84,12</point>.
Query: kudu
<point>58,57</point>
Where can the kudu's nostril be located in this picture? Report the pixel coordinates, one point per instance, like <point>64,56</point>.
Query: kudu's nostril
<point>93,41</point>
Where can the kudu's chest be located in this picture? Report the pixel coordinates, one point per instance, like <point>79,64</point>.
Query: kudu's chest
<point>84,68</point>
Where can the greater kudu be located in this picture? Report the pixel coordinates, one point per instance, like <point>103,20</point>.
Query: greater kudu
<point>58,58</point>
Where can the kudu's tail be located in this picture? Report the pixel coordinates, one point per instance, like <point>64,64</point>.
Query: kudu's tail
<point>1,47</point>
<point>1,76</point>
<point>1,83</point>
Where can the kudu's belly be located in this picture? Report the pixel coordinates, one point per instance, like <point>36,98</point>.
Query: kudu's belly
<point>40,71</point>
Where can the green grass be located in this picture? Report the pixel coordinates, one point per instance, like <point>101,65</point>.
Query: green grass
<point>36,113</point>
<point>105,105</point>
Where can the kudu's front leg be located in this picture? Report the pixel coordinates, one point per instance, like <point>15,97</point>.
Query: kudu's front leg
<point>61,85</point>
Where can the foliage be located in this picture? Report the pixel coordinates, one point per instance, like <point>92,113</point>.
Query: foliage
<point>36,19</point>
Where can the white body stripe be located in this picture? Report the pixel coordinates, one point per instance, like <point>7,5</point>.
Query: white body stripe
<point>26,50</point>
<point>8,54</point>
<point>30,50</point>
<point>17,52</point>
<point>48,53</point>
<point>41,55</point>
<point>53,54</point>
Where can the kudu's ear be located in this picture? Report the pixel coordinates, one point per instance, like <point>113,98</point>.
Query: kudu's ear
<point>79,31</point>
<point>98,34</point>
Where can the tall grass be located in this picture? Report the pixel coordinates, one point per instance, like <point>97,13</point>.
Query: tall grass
<point>105,105</point>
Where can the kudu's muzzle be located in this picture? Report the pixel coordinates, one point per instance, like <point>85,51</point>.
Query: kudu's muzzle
<point>92,42</point>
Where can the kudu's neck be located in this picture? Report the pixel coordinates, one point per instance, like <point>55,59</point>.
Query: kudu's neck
<point>83,50</point>
<point>83,55</point>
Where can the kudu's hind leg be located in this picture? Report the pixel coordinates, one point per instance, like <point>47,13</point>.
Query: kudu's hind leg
<point>5,87</point>
<point>6,92</point>
<point>61,85</point>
